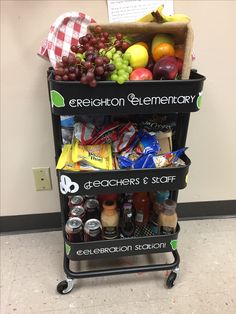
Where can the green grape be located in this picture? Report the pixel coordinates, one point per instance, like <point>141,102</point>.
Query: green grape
<point>127,56</point>
<point>113,50</point>
<point>124,67</point>
<point>80,55</point>
<point>109,54</point>
<point>114,77</point>
<point>119,60</point>
<point>119,53</point>
<point>126,76</point>
<point>121,72</point>
<point>118,65</point>
<point>120,80</point>
<point>130,69</point>
<point>102,52</point>
<point>115,56</point>
<point>126,62</point>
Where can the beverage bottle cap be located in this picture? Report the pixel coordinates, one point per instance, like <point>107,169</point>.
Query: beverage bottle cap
<point>169,207</point>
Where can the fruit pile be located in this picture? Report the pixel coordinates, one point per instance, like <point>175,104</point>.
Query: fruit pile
<point>101,56</point>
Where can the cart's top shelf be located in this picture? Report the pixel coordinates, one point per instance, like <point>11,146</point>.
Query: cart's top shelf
<point>132,97</point>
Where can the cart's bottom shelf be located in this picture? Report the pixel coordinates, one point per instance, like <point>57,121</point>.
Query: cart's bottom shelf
<point>144,242</point>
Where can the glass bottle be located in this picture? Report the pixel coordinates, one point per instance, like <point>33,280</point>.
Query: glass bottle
<point>127,224</point>
<point>168,217</point>
<point>110,220</point>
<point>141,204</point>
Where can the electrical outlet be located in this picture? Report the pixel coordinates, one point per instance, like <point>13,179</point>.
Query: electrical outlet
<point>42,178</point>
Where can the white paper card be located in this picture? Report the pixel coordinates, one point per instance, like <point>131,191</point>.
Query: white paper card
<point>132,10</point>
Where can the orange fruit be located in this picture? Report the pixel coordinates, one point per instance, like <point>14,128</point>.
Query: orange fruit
<point>179,53</point>
<point>142,43</point>
<point>163,50</point>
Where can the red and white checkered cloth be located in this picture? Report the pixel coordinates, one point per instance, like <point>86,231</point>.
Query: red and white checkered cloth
<point>64,32</point>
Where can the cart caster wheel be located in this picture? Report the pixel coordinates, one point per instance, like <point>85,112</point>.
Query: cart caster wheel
<point>170,282</point>
<point>65,286</point>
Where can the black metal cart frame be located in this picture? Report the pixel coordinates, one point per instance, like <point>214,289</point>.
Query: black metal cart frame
<point>180,97</point>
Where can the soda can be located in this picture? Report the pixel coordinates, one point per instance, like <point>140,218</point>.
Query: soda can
<point>74,229</point>
<point>92,209</point>
<point>92,230</point>
<point>77,211</point>
<point>88,196</point>
<point>76,200</point>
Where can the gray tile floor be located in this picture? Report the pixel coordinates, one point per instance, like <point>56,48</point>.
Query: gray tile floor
<point>31,267</point>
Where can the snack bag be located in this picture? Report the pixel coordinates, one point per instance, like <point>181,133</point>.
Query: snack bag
<point>169,159</point>
<point>125,137</point>
<point>65,160</point>
<point>87,133</point>
<point>98,156</point>
<point>148,143</point>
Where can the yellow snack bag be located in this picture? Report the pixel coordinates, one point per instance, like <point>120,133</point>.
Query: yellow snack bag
<point>98,156</point>
<point>65,160</point>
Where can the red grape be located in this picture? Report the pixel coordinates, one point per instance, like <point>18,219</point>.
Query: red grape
<point>93,41</point>
<point>83,80</point>
<point>103,39</point>
<point>73,48</point>
<point>81,40</point>
<point>110,67</point>
<point>86,46</point>
<point>101,45</point>
<point>60,71</point>
<point>105,34</point>
<point>90,76</point>
<point>88,36</point>
<point>80,49</point>
<point>99,70</point>
<point>88,65</point>
<point>106,60</point>
<point>99,61</point>
<point>97,29</point>
<point>125,45</point>
<point>66,70</point>
<point>65,60</point>
<point>119,36</point>
<point>65,77</point>
<point>72,69</point>
<point>93,83</point>
<point>58,78</point>
<point>71,59</point>
<point>72,76</point>
<point>118,43</point>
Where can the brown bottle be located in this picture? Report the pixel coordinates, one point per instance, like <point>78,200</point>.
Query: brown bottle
<point>110,220</point>
<point>168,217</point>
<point>141,203</point>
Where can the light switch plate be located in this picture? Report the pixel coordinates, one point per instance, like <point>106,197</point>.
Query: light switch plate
<point>42,178</point>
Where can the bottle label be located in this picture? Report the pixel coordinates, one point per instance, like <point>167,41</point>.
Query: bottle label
<point>167,230</point>
<point>139,216</point>
<point>110,232</point>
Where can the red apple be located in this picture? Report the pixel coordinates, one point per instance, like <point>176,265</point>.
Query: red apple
<point>141,74</point>
<point>165,68</point>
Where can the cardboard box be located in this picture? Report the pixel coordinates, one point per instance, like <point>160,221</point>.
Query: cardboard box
<point>182,34</point>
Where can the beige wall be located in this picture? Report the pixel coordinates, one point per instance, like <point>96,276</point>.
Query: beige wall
<point>26,133</point>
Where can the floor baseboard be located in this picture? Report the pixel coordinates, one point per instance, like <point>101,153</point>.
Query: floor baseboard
<point>52,221</point>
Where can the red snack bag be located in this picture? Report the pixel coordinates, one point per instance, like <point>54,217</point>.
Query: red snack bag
<point>126,136</point>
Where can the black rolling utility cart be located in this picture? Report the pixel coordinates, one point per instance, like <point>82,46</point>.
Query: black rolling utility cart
<point>177,97</point>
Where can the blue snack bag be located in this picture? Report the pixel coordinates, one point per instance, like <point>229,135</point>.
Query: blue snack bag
<point>144,161</point>
<point>149,144</point>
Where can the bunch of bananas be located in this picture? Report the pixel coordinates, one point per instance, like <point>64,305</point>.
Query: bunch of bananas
<point>159,17</point>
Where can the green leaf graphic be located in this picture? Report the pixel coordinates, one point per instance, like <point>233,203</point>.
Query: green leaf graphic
<point>199,100</point>
<point>57,99</point>
<point>173,244</point>
<point>68,248</point>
